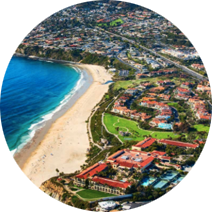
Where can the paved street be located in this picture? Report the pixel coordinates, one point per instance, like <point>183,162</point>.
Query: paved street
<point>184,68</point>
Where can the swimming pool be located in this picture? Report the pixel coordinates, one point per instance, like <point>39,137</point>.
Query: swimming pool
<point>161,184</point>
<point>148,181</point>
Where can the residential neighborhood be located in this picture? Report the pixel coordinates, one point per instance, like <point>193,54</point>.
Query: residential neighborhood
<point>149,126</point>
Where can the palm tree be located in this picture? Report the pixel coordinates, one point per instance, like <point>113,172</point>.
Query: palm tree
<point>57,170</point>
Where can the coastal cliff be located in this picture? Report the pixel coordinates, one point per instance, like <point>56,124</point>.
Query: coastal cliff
<point>72,55</point>
<point>56,191</point>
<point>59,189</point>
<point>57,54</point>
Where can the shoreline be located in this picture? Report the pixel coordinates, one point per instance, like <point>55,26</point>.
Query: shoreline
<point>60,144</point>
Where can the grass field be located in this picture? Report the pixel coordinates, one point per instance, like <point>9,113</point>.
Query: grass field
<point>131,83</point>
<point>200,127</point>
<point>137,134</point>
<point>91,194</point>
<point>117,21</point>
<point>174,104</point>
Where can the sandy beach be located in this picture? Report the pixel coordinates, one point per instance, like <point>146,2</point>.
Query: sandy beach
<point>65,144</point>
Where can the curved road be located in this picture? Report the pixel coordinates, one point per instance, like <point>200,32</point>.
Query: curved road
<point>184,68</point>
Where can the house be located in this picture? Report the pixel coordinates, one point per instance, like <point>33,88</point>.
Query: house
<point>165,97</point>
<point>157,89</point>
<point>120,110</point>
<point>184,91</point>
<point>187,85</point>
<point>182,96</point>
<point>197,66</point>
<point>152,94</point>
<point>145,85</point>
<point>148,99</point>
<point>131,91</point>
<point>203,88</point>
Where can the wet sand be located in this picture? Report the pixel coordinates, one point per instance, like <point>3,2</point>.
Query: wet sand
<point>63,142</point>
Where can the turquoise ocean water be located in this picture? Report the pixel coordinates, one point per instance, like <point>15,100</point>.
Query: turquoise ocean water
<point>32,92</point>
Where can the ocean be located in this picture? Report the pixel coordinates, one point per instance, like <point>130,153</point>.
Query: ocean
<point>32,92</point>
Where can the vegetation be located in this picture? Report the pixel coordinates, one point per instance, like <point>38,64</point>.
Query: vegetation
<point>79,203</point>
<point>95,59</point>
<point>91,194</point>
<point>109,173</point>
<point>57,54</point>
<point>116,22</point>
<point>137,134</point>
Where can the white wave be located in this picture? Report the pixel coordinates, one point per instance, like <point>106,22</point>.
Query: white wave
<point>41,123</point>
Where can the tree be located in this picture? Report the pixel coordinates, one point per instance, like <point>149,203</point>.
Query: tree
<point>86,183</point>
<point>57,170</point>
<point>63,181</point>
<point>155,194</point>
<point>140,188</point>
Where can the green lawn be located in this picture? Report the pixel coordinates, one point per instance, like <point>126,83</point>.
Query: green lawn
<point>78,187</point>
<point>174,104</point>
<point>133,83</point>
<point>117,21</point>
<point>137,134</point>
<point>201,127</point>
<point>91,194</point>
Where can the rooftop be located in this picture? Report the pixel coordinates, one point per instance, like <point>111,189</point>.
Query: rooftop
<point>92,170</point>
<point>109,182</point>
<point>178,143</point>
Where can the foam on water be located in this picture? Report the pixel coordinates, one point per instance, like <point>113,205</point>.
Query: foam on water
<point>26,137</point>
<point>32,92</point>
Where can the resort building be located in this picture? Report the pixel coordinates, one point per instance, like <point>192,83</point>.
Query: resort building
<point>144,144</point>
<point>149,141</point>
<point>178,143</point>
<point>130,159</point>
<point>89,173</point>
<point>109,186</point>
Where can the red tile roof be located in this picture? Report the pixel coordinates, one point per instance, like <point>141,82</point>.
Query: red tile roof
<point>178,143</point>
<point>158,152</point>
<point>92,170</point>
<point>109,182</point>
<point>145,143</point>
<point>184,90</point>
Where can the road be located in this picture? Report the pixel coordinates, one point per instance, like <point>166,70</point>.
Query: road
<point>184,68</point>
<point>137,70</point>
